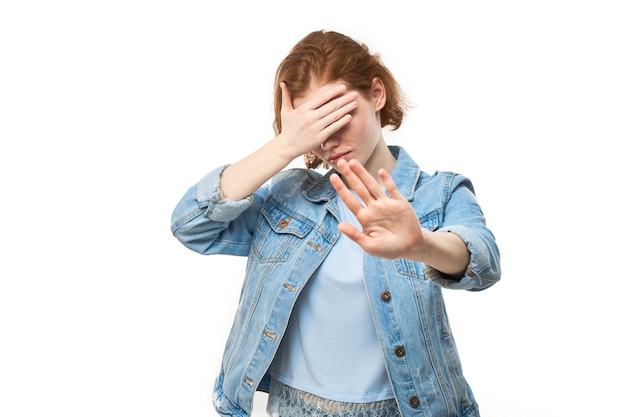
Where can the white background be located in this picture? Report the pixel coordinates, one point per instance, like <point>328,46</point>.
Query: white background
<point>111,110</point>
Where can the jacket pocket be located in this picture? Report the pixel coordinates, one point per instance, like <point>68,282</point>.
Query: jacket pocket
<point>432,220</point>
<point>278,234</point>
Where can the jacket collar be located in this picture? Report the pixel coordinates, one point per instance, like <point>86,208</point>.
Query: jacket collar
<point>405,174</point>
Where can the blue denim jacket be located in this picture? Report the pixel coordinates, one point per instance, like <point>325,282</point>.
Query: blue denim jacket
<point>287,228</point>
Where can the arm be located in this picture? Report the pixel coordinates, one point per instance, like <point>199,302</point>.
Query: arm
<point>215,215</point>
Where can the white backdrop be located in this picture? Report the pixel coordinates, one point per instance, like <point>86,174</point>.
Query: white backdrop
<point>111,110</point>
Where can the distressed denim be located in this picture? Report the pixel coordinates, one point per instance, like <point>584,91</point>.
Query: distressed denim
<point>287,228</point>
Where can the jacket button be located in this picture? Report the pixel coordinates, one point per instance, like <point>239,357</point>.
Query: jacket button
<point>385,295</point>
<point>400,351</point>
<point>283,223</point>
<point>414,401</point>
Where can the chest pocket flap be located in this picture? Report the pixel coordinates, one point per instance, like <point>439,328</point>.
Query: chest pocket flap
<point>431,220</point>
<point>282,222</point>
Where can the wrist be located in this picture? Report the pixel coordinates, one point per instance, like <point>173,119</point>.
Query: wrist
<point>283,147</point>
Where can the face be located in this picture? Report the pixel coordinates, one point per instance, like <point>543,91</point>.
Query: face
<point>361,138</point>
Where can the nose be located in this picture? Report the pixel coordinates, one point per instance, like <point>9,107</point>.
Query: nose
<point>330,143</point>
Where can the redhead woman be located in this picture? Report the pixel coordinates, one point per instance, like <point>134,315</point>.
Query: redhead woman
<point>341,311</point>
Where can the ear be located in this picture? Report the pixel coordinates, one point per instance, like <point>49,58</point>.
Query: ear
<point>379,94</point>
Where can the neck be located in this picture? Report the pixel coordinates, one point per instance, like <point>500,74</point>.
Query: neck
<point>381,158</point>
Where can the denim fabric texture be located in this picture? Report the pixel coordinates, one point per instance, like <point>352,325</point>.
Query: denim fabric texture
<point>287,228</point>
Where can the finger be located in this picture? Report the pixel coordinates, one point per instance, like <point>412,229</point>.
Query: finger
<point>367,179</point>
<point>353,204</point>
<point>361,181</point>
<point>324,95</point>
<point>355,183</point>
<point>337,113</point>
<point>390,185</point>
<point>353,233</point>
<point>337,103</point>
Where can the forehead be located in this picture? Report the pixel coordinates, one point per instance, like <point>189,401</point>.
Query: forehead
<point>313,87</point>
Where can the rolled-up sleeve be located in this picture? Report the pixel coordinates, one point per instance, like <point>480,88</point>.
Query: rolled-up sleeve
<point>219,207</point>
<point>464,217</point>
<point>207,221</point>
<point>484,266</point>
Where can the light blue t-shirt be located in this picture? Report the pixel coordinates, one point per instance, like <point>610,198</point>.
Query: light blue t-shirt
<point>330,348</point>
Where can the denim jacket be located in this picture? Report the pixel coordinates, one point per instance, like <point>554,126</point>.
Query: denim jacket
<point>287,228</point>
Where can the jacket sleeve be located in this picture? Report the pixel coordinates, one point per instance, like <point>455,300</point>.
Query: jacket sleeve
<point>464,217</point>
<point>207,222</point>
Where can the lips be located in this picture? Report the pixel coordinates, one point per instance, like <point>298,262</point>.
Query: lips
<point>333,159</point>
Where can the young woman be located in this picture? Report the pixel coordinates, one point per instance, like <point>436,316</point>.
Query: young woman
<point>341,311</point>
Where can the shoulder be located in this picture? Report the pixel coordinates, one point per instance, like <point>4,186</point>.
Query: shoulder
<point>444,183</point>
<point>409,174</point>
